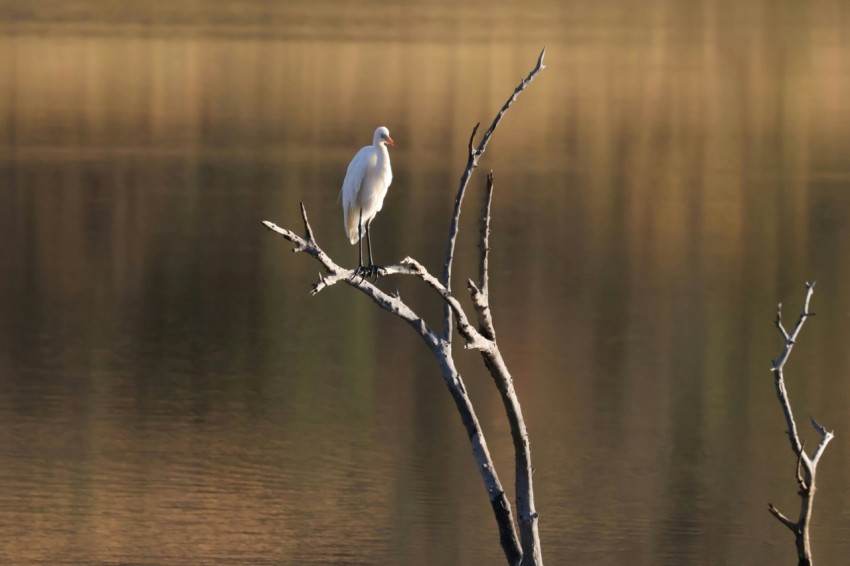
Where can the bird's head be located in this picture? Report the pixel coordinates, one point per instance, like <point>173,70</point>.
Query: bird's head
<point>382,136</point>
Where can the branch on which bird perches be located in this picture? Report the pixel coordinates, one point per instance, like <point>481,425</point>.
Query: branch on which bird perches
<point>408,266</point>
<point>335,274</point>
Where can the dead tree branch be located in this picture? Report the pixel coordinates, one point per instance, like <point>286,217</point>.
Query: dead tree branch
<point>439,349</point>
<point>525,549</point>
<point>806,466</point>
<point>495,364</point>
<point>474,154</point>
<point>492,356</point>
<point>481,293</point>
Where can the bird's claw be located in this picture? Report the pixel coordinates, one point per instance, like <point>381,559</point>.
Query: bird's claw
<point>368,272</point>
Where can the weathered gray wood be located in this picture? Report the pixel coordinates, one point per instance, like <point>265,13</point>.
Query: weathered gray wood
<point>439,349</point>
<point>473,155</point>
<point>492,356</point>
<point>806,466</point>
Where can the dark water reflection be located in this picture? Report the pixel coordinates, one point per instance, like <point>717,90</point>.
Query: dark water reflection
<point>169,394</point>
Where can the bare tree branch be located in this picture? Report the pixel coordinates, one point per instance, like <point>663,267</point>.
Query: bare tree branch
<point>440,350</point>
<point>492,357</point>
<point>307,229</point>
<point>470,147</point>
<point>539,66</point>
<point>337,273</point>
<point>801,480</point>
<point>791,339</point>
<point>481,293</point>
<point>471,164</point>
<point>778,322</point>
<point>806,466</point>
<point>526,512</point>
<point>474,340</point>
<point>484,241</point>
<point>825,437</point>
<point>495,364</point>
<point>779,364</point>
<point>782,518</point>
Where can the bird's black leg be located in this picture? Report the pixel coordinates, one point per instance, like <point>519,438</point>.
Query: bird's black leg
<point>374,270</point>
<point>360,269</point>
<point>360,239</point>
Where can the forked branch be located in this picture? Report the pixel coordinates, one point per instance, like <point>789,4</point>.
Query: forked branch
<point>503,380</point>
<point>408,266</point>
<point>493,357</point>
<point>806,466</point>
<point>336,274</point>
<point>480,293</point>
<point>474,154</point>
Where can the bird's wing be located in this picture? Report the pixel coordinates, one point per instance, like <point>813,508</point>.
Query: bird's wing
<point>351,188</point>
<point>354,177</point>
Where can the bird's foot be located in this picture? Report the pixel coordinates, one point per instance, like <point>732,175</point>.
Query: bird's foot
<point>368,271</point>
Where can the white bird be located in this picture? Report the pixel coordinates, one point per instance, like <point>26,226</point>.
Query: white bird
<point>366,182</point>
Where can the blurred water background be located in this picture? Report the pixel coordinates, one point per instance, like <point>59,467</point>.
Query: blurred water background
<point>170,394</point>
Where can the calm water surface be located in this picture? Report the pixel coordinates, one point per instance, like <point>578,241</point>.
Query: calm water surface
<point>170,394</point>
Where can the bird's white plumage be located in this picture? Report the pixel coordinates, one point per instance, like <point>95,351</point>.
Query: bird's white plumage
<point>366,182</point>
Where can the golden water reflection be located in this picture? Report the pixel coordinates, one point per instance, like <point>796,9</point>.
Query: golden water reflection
<point>168,393</point>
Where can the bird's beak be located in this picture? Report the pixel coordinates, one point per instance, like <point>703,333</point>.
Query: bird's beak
<point>390,141</point>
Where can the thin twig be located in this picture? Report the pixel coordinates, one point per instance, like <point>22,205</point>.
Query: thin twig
<point>307,229</point>
<point>825,437</point>
<point>484,241</point>
<point>524,83</point>
<point>778,322</point>
<point>480,293</point>
<point>782,518</point>
<point>470,146</point>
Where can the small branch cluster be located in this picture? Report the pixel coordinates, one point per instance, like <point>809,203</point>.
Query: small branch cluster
<point>806,467</point>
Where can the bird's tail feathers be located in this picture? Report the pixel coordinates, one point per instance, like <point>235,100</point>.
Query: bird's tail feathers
<point>353,236</point>
<point>351,220</point>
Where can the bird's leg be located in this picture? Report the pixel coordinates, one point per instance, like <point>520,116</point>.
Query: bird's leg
<point>360,240</point>
<point>373,270</point>
<point>360,269</point>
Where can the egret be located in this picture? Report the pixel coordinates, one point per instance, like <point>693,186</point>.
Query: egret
<point>366,182</point>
